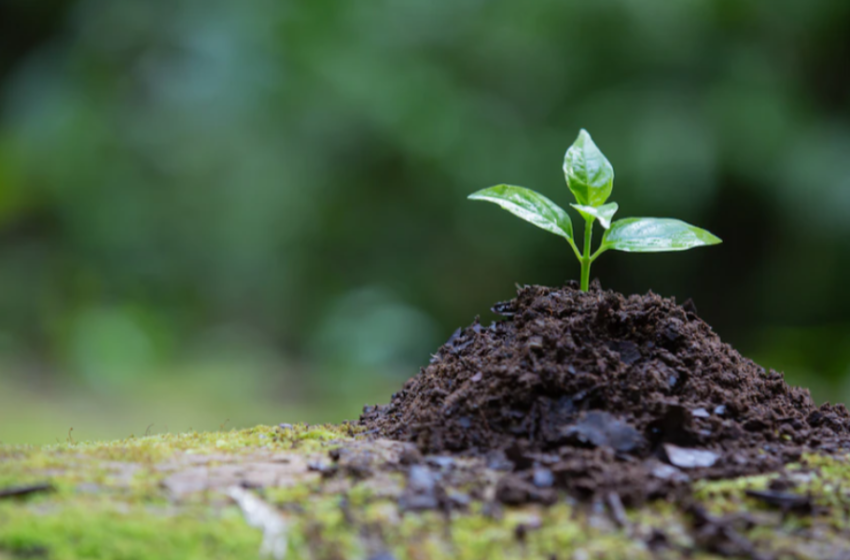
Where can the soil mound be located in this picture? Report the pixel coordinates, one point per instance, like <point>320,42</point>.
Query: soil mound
<point>597,393</point>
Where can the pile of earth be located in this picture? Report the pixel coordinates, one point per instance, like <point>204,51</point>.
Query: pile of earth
<point>596,393</point>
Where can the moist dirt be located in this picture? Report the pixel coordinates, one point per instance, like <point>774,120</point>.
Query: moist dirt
<point>604,396</point>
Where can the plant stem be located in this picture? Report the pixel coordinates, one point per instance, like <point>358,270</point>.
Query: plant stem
<point>575,249</point>
<point>586,258</point>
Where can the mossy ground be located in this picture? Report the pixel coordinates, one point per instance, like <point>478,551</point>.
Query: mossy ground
<point>128,499</point>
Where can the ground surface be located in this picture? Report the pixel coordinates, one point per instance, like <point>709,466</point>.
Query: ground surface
<point>327,492</point>
<point>582,425</point>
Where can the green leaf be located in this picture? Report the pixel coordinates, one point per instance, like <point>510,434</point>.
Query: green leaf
<point>602,213</point>
<point>589,174</point>
<point>530,206</point>
<point>652,235</point>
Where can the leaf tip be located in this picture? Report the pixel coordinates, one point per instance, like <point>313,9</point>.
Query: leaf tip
<point>709,238</point>
<point>584,140</point>
<point>481,193</point>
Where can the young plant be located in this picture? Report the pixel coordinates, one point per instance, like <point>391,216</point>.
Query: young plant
<point>590,177</point>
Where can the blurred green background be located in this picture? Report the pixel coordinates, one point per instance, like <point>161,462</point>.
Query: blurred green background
<point>218,213</point>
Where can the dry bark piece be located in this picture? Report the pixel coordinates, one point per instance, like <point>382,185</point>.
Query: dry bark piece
<point>786,501</point>
<point>600,429</point>
<point>689,458</point>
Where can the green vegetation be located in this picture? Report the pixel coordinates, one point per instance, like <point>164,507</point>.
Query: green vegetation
<point>104,531</point>
<point>270,186</point>
<point>590,177</point>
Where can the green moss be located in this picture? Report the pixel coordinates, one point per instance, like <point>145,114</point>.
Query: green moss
<point>289,496</point>
<point>107,531</point>
<point>108,501</point>
<point>342,525</point>
<point>318,434</point>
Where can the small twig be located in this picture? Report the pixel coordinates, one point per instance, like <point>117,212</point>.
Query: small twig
<point>617,510</point>
<point>18,491</point>
<point>70,437</point>
<point>148,429</point>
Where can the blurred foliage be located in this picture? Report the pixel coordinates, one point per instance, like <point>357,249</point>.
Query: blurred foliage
<point>288,179</point>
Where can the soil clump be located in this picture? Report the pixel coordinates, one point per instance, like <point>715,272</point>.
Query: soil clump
<point>604,395</point>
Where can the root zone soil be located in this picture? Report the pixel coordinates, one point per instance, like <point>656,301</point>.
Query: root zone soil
<point>599,394</point>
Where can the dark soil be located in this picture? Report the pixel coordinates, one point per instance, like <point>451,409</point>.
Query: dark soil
<point>603,395</point>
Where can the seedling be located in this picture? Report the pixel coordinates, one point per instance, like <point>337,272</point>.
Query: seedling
<point>590,177</point>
